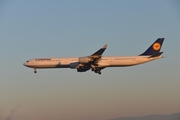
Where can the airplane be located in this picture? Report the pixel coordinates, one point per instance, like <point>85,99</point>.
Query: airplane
<point>96,62</point>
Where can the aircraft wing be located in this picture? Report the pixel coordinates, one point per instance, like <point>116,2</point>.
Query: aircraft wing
<point>95,59</point>
<point>100,51</point>
<point>91,62</point>
<point>97,55</point>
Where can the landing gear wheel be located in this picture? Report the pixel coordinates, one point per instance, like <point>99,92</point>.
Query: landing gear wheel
<point>99,72</point>
<point>96,70</point>
<point>35,70</point>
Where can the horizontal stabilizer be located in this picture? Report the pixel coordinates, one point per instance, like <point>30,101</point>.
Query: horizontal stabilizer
<point>156,55</point>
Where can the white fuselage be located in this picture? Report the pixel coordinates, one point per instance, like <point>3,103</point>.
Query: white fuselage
<point>105,61</point>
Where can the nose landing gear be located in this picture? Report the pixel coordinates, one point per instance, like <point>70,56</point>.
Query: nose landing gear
<point>35,70</point>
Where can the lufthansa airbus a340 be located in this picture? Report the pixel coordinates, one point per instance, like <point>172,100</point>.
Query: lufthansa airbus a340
<point>96,62</point>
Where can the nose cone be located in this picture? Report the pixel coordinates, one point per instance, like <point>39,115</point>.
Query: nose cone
<point>25,64</point>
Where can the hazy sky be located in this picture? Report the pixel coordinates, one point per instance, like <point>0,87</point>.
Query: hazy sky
<point>42,28</point>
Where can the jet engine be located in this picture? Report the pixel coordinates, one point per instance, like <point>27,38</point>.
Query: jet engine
<point>82,69</point>
<point>84,60</point>
<point>74,65</point>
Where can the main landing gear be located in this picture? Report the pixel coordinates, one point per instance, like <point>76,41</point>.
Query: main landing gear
<point>35,70</point>
<point>99,72</point>
<point>96,70</point>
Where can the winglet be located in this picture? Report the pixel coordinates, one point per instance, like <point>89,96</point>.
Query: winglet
<point>105,46</point>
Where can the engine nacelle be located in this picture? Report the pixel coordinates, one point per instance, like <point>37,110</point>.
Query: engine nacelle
<point>74,65</point>
<point>82,69</point>
<point>84,60</point>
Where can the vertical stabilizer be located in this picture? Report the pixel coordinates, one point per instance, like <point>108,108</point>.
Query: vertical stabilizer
<point>154,48</point>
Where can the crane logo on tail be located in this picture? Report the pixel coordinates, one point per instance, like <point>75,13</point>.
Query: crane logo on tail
<point>156,46</point>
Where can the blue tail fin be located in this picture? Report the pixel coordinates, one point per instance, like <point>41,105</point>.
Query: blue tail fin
<point>154,48</point>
